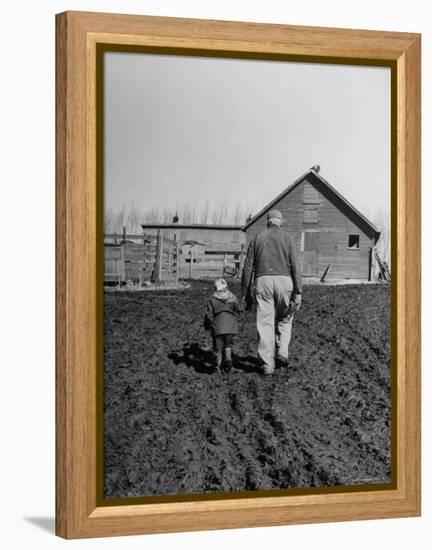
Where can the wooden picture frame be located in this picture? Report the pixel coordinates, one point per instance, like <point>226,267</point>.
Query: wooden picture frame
<point>78,266</point>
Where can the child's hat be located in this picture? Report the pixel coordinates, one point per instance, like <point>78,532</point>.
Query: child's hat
<point>221,284</point>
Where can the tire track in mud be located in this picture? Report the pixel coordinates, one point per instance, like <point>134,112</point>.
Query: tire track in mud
<point>172,426</point>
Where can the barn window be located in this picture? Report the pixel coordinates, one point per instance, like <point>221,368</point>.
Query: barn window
<point>353,241</point>
<point>310,215</point>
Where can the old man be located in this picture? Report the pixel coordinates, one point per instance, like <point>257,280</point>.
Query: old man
<point>272,262</point>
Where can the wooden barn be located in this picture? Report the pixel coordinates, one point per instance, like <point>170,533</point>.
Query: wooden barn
<point>332,236</point>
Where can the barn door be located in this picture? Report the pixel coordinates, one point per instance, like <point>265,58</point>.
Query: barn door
<point>309,247</point>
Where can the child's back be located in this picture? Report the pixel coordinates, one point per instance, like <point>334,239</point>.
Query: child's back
<point>223,310</point>
<point>220,316</point>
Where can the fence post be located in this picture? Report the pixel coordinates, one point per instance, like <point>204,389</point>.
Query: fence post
<point>170,259</point>
<point>161,248</point>
<point>225,261</point>
<point>123,262</point>
<point>159,255</point>
<point>242,258</point>
<point>177,262</point>
<point>191,263</point>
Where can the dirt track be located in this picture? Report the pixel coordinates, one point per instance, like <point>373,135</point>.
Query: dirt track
<point>174,426</point>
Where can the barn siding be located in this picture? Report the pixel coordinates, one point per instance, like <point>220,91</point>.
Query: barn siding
<point>335,224</point>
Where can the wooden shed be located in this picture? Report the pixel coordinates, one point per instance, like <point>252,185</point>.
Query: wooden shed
<point>205,250</point>
<point>331,234</point>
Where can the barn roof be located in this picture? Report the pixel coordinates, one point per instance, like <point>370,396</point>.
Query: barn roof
<point>189,226</point>
<point>317,178</point>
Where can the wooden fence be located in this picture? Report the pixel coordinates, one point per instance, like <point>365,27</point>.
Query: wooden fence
<point>140,258</point>
<point>156,258</point>
<point>211,260</point>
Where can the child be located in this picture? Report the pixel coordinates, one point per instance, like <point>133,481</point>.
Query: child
<point>220,319</point>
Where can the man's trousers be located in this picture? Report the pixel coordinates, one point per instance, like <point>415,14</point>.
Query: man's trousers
<point>274,318</point>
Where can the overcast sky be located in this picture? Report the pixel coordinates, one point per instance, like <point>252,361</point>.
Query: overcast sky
<point>191,129</point>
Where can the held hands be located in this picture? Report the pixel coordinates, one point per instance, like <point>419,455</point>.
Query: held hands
<point>296,301</point>
<point>247,302</point>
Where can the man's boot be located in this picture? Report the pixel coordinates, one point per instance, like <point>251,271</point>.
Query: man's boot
<point>281,361</point>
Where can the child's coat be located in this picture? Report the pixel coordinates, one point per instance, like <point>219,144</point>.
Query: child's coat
<point>221,313</point>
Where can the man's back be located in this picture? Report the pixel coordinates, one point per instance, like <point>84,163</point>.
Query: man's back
<point>272,252</point>
<point>272,261</point>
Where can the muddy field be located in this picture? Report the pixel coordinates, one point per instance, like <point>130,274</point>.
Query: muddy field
<point>174,426</point>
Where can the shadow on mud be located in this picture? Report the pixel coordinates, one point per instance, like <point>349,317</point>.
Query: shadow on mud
<point>194,356</point>
<point>202,360</point>
<point>246,363</point>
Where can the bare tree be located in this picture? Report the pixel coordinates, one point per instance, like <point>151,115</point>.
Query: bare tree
<point>152,216</point>
<point>221,212</point>
<point>217,214</point>
<point>205,213</point>
<point>109,225</point>
<point>381,219</point>
<point>167,215</point>
<point>237,216</point>
<point>185,214</point>
<point>382,222</point>
<point>133,219</point>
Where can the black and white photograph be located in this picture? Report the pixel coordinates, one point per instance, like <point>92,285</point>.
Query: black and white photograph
<point>247,275</point>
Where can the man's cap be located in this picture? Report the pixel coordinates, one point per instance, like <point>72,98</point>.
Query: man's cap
<point>274,214</point>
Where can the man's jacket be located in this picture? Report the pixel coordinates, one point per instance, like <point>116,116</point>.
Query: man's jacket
<point>271,252</point>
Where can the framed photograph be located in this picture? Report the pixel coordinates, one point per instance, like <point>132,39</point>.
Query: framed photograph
<point>238,275</point>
